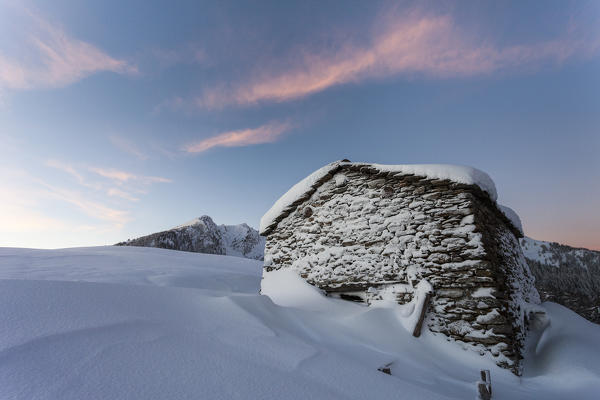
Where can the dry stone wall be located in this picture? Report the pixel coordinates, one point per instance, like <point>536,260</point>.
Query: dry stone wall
<point>364,234</point>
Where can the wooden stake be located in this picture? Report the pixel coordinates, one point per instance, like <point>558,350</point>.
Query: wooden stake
<point>485,385</point>
<point>417,331</point>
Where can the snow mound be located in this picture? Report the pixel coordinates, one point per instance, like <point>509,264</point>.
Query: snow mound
<point>456,173</point>
<point>145,323</point>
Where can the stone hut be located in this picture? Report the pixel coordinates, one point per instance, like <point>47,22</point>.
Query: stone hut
<point>367,232</point>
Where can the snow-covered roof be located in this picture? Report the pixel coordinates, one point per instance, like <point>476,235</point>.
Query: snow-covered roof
<point>512,216</point>
<point>296,192</point>
<point>303,189</point>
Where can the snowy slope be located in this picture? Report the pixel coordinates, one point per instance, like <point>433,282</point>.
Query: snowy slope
<point>144,323</point>
<point>558,255</point>
<point>202,235</point>
<point>566,275</point>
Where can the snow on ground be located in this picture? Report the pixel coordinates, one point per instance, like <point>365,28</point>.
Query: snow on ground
<point>145,323</point>
<point>133,266</point>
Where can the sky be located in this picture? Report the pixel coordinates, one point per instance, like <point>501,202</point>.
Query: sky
<point>119,119</point>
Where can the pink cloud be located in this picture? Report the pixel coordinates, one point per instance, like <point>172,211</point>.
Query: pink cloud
<point>421,44</point>
<point>24,193</point>
<point>267,133</point>
<point>123,176</point>
<point>92,208</point>
<point>135,183</point>
<point>114,174</point>
<point>54,58</point>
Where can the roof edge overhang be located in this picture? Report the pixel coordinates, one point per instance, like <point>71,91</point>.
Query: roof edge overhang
<point>306,189</point>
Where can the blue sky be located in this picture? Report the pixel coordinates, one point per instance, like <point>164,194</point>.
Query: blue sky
<point>118,119</point>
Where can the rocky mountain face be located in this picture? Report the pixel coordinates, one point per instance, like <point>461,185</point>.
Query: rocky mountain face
<point>566,275</point>
<point>202,235</point>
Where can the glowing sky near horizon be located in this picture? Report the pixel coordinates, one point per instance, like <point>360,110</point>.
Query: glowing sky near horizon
<point>118,119</point>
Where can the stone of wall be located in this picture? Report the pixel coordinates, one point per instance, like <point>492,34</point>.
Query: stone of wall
<point>364,233</point>
<point>515,282</point>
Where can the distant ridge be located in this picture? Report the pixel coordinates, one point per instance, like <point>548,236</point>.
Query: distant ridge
<point>566,275</point>
<point>202,235</point>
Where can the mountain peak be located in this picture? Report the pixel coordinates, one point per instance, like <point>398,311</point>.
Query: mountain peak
<point>203,220</point>
<point>203,235</point>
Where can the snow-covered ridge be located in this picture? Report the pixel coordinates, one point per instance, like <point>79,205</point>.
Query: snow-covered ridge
<point>557,255</point>
<point>566,275</point>
<point>455,173</point>
<point>195,221</point>
<point>538,250</point>
<point>202,235</point>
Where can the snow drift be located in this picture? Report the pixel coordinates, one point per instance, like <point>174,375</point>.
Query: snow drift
<point>144,323</point>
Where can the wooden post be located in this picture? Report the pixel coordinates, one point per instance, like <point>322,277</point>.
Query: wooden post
<point>417,331</point>
<point>485,385</point>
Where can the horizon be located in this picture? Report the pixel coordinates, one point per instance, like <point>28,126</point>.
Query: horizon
<point>120,120</point>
